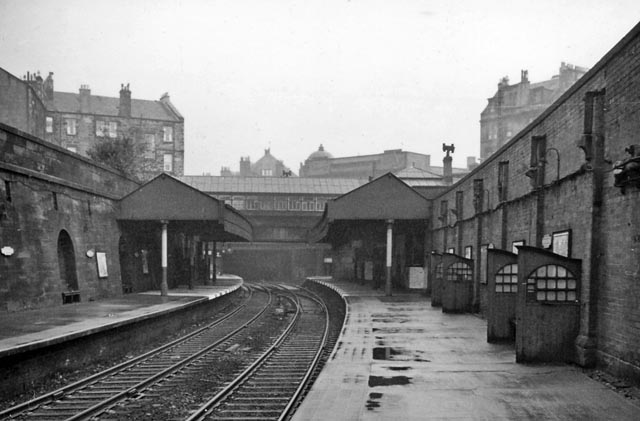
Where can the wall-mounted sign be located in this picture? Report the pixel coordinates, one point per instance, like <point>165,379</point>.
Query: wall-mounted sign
<point>546,241</point>
<point>91,253</point>
<point>7,251</point>
<point>101,258</point>
<point>451,250</point>
<point>562,243</point>
<point>328,260</point>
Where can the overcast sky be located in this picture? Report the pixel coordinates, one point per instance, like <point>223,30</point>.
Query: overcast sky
<point>358,76</point>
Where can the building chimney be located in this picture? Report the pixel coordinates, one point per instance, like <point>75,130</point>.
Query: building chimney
<point>245,166</point>
<point>85,98</point>
<point>447,171</point>
<point>524,76</point>
<point>48,87</point>
<point>125,101</point>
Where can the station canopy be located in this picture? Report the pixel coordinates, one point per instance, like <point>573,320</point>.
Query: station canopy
<point>385,198</point>
<point>186,209</point>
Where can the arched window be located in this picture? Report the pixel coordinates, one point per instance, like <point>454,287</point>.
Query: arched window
<point>459,272</point>
<point>507,279</point>
<point>67,262</point>
<point>552,283</point>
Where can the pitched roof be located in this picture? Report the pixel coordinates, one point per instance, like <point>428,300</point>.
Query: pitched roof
<point>67,102</point>
<point>278,185</point>
<point>167,198</point>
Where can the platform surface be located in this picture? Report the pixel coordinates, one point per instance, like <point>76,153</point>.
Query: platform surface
<point>31,329</point>
<point>401,359</point>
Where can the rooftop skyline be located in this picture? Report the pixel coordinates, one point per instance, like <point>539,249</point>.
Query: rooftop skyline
<point>359,77</point>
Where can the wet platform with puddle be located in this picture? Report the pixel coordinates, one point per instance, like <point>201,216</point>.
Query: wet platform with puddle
<point>400,359</point>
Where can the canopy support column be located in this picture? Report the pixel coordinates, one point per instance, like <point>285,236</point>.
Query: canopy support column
<point>164,288</point>
<point>387,288</point>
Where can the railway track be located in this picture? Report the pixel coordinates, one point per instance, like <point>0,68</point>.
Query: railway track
<point>271,387</point>
<point>124,382</point>
<point>257,362</point>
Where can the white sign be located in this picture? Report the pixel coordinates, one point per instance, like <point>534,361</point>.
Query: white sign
<point>546,241</point>
<point>101,257</point>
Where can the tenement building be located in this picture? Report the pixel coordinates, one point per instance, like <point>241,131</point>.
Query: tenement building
<point>79,121</point>
<point>512,107</point>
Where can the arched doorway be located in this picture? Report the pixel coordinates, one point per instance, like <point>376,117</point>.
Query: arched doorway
<point>67,265</point>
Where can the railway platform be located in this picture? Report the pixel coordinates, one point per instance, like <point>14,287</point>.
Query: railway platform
<point>398,358</point>
<point>35,329</point>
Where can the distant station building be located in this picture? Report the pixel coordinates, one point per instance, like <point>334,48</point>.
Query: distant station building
<point>322,164</point>
<point>512,107</point>
<point>281,211</point>
<point>78,121</point>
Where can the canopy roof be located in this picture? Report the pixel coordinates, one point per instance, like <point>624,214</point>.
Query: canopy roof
<point>386,197</point>
<point>166,198</point>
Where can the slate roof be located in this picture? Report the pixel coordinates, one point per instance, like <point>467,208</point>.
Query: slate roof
<point>277,185</point>
<point>67,102</point>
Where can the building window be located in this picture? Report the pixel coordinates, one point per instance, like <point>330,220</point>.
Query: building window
<point>552,283</point>
<point>101,128</point>
<point>266,172</point>
<point>149,145</point>
<point>478,194</point>
<point>237,202</point>
<point>507,279</point>
<point>168,162</point>
<point>503,180</point>
<point>54,197</point>
<point>71,126</point>
<point>7,190</point>
<point>538,152</point>
<point>113,129</point>
<point>49,125</point>
<point>459,204</point>
<point>443,212</point>
<point>167,134</point>
<point>459,272</point>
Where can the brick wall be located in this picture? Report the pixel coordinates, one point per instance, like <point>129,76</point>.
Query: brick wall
<point>606,238</point>
<point>43,191</point>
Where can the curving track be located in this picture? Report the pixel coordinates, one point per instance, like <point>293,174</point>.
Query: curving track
<point>257,362</point>
<point>270,387</point>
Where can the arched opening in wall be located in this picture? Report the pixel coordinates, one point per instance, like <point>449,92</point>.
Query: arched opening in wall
<point>127,264</point>
<point>67,265</point>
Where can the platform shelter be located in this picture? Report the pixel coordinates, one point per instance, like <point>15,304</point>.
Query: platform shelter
<point>169,224</point>
<point>377,233</point>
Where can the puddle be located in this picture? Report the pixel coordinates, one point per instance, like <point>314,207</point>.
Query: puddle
<point>389,381</point>
<point>397,330</point>
<point>385,353</point>
<point>399,368</point>
<point>371,403</point>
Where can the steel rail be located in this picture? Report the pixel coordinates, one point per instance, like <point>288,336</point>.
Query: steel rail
<point>105,404</point>
<point>202,412</point>
<point>288,410</point>
<point>60,393</point>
